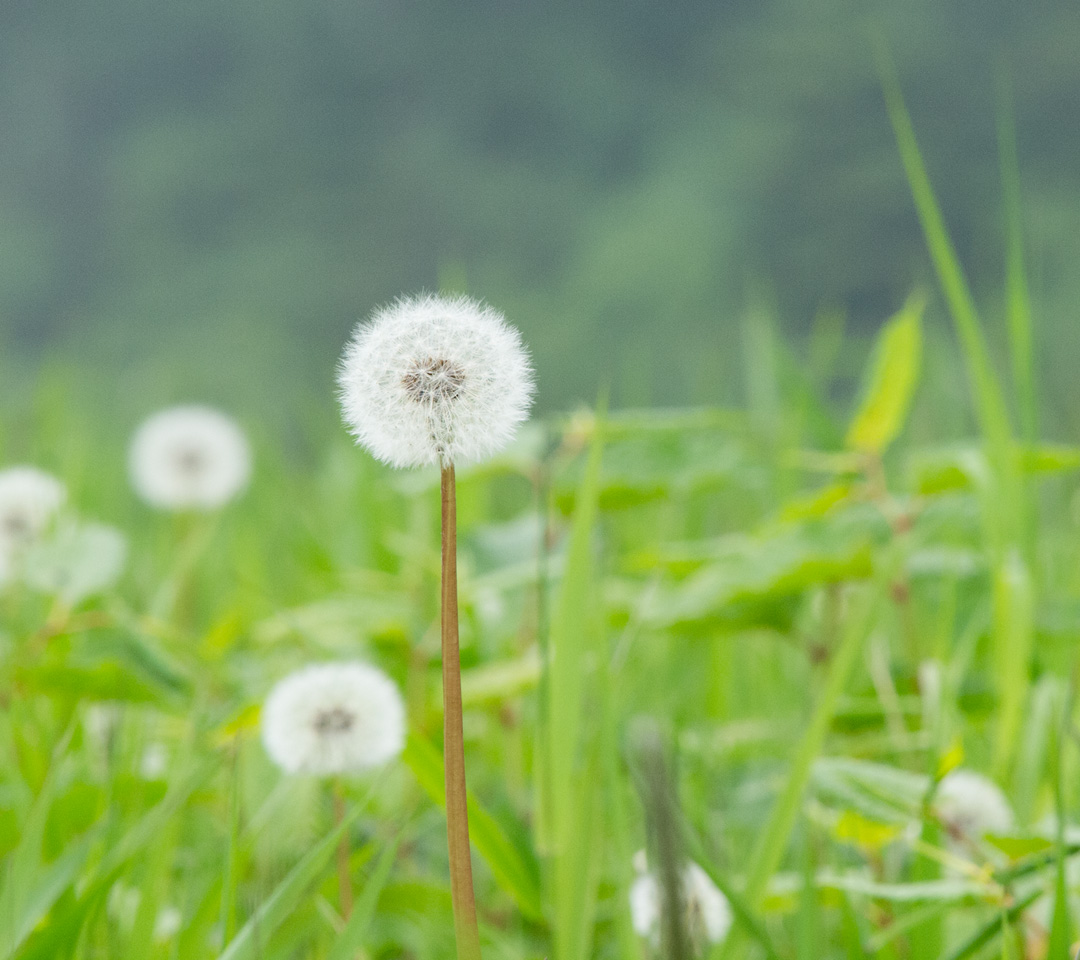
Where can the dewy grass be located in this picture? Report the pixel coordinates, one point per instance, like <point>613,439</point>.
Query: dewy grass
<point>437,381</point>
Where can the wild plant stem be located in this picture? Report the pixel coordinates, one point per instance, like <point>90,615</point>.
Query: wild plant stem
<point>344,874</point>
<point>466,931</point>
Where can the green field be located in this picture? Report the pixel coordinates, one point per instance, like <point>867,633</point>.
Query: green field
<point>755,638</point>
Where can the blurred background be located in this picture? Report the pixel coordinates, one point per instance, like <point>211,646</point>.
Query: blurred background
<point>199,199</point>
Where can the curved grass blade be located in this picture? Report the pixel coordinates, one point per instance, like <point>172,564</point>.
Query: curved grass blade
<point>740,908</point>
<point>981,937</point>
<point>277,908</point>
<point>352,937</point>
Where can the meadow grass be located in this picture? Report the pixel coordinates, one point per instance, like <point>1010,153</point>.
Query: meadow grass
<point>755,638</point>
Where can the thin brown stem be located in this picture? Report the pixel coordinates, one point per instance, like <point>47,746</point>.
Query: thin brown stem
<point>344,874</point>
<point>457,813</point>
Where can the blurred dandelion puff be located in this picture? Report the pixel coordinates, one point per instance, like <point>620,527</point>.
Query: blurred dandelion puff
<point>708,913</point>
<point>30,499</point>
<point>334,718</point>
<point>189,458</point>
<point>435,380</point>
<point>154,763</point>
<point>75,560</point>
<point>971,805</point>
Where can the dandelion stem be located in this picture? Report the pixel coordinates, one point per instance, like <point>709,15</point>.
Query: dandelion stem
<point>344,875</point>
<point>466,931</point>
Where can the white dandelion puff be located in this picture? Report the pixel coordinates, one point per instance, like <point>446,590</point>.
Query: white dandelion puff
<point>29,501</point>
<point>155,762</point>
<point>435,380</point>
<point>189,458</point>
<point>971,805</point>
<point>75,560</point>
<point>334,718</point>
<point>708,913</point>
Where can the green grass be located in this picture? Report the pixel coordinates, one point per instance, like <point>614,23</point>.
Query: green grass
<point>821,615</point>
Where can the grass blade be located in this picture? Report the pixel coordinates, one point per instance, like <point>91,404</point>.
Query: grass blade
<point>981,937</point>
<point>516,875</point>
<point>1017,298</point>
<point>989,399</point>
<point>774,840</point>
<point>352,937</point>
<point>277,908</point>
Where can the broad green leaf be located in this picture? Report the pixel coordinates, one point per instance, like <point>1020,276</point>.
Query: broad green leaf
<point>892,381</point>
<point>1016,848</point>
<point>740,571</point>
<point>860,831</point>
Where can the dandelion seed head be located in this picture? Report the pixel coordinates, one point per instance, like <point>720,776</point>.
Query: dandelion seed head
<point>972,805</point>
<point>435,380</point>
<point>189,458</point>
<point>708,913</point>
<point>334,718</point>
<point>29,501</point>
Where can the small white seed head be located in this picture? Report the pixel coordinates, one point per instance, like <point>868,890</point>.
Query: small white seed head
<point>334,718</point>
<point>435,380</point>
<point>972,805</point>
<point>30,499</point>
<point>189,458</point>
<point>708,913</point>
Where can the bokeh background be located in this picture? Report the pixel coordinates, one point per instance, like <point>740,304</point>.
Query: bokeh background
<point>199,199</point>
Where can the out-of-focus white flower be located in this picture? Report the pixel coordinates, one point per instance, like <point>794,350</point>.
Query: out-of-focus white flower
<point>971,805</point>
<point>334,718</point>
<point>708,913</point>
<point>154,762</point>
<point>189,458</point>
<point>167,923</point>
<point>123,905</point>
<point>435,380</point>
<point>76,560</point>
<point>29,501</point>
<point>101,721</point>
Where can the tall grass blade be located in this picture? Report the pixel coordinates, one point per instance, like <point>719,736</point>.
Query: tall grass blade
<point>1005,512</point>
<point>777,833</point>
<point>1014,629</point>
<point>989,400</point>
<point>352,937</point>
<point>1017,297</point>
<point>571,740</point>
<point>993,928</point>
